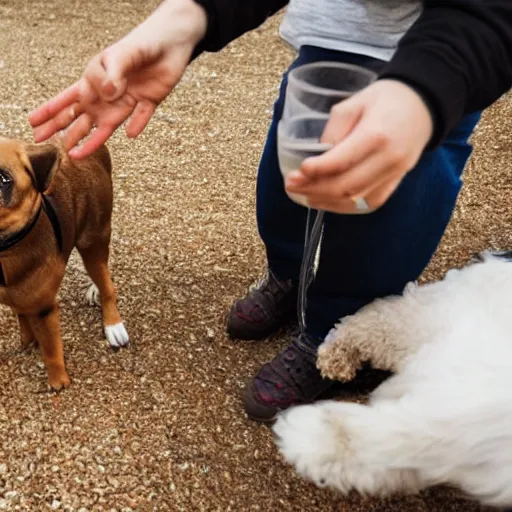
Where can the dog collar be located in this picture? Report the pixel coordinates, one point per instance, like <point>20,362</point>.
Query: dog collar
<point>15,238</point>
<point>18,236</point>
<point>49,209</point>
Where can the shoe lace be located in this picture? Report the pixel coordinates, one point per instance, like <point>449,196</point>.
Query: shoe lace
<point>290,374</point>
<point>269,286</point>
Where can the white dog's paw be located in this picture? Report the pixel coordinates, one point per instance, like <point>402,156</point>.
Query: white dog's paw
<point>331,337</point>
<point>338,358</point>
<point>92,295</point>
<point>309,440</point>
<point>116,335</point>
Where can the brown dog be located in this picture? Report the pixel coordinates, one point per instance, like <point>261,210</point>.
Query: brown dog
<point>50,204</point>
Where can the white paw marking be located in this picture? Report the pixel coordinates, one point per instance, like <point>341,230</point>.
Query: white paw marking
<point>116,335</point>
<point>92,295</point>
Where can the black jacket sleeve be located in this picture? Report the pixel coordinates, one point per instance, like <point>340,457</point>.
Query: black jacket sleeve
<point>229,19</point>
<point>458,56</point>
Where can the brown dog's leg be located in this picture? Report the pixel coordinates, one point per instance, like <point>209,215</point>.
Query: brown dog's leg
<point>46,328</point>
<point>96,263</point>
<point>26,335</point>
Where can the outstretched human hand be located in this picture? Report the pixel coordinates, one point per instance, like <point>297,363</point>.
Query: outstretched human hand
<point>128,80</point>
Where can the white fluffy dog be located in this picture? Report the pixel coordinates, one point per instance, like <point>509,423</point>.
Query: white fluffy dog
<point>445,417</point>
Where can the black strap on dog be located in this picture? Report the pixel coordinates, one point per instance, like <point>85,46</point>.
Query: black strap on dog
<point>16,238</point>
<point>51,213</point>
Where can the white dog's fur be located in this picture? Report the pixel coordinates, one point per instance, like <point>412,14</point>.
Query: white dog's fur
<point>445,417</point>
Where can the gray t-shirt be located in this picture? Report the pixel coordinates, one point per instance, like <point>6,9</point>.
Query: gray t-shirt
<point>367,27</point>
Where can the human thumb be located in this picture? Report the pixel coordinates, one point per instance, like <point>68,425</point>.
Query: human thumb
<point>343,119</point>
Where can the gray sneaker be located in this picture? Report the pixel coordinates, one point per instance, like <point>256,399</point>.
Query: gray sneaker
<point>291,378</point>
<point>268,306</point>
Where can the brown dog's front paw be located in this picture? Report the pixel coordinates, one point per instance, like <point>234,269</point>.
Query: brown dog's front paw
<point>59,381</point>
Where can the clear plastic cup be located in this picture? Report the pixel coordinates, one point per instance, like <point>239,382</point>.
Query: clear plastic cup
<point>312,91</point>
<point>318,86</point>
<point>298,138</point>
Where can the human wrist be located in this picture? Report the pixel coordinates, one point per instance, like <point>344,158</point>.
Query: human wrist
<point>188,16</point>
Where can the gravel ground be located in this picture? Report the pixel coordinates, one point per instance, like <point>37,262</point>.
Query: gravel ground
<point>159,426</point>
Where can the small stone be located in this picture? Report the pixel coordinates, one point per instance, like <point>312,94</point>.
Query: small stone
<point>55,504</point>
<point>3,469</point>
<point>3,504</point>
<point>10,495</point>
<point>101,468</point>
<point>210,333</point>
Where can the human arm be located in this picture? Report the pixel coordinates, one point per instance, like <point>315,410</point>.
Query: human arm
<point>228,20</point>
<point>128,80</point>
<point>458,56</point>
<point>453,61</point>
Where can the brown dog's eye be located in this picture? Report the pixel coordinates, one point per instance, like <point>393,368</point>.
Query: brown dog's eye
<point>5,180</point>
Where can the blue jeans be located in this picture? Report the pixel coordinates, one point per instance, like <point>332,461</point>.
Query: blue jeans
<point>363,256</point>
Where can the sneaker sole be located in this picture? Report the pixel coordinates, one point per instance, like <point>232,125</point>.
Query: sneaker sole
<point>255,410</point>
<point>262,421</point>
<point>250,403</point>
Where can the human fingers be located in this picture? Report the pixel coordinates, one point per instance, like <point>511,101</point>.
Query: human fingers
<point>77,131</point>
<point>343,120</point>
<point>140,118</point>
<point>89,146</point>
<point>61,121</point>
<point>53,107</point>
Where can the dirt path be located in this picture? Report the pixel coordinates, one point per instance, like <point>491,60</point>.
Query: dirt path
<point>159,426</point>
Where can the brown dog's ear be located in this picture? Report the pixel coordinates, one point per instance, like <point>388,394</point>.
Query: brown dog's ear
<point>41,161</point>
